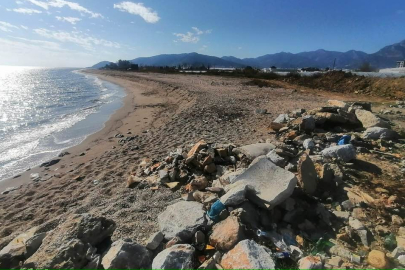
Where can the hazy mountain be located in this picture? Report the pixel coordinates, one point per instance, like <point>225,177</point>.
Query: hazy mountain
<point>193,59</point>
<point>386,57</point>
<point>101,64</point>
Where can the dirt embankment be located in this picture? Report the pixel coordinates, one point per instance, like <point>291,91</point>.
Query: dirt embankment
<point>348,83</point>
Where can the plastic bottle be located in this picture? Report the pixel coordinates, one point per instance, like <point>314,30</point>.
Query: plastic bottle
<point>282,255</point>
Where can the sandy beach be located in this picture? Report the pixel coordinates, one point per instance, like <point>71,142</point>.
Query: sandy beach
<point>161,112</point>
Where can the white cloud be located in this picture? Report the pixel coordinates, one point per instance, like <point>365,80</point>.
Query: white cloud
<point>42,43</point>
<point>200,32</point>
<point>78,38</point>
<point>203,47</point>
<point>188,37</point>
<point>191,37</point>
<point>26,10</point>
<point>19,2</point>
<point>24,27</point>
<point>63,3</point>
<point>7,27</point>
<point>70,20</point>
<point>146,13</point>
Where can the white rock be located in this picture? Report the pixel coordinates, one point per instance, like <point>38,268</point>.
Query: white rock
<point>276,159</point>
<point>368,119</point>
<point>272,183</point>
<point>345,152</point>
<point>375,133</point>
<point>176,257</point>
<point>182,219</point>
<point>252,151</point>
<point>282,118</point>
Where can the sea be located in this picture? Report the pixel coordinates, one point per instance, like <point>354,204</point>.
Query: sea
<point>44,111</point>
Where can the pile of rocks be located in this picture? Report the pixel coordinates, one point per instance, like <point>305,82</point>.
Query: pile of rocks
<point>276,204</point>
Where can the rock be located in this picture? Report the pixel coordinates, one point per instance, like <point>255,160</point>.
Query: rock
<point>236,194</point>
<point>154,240</point>
<point>125,255</point>
<point>182,219</point>
<point>228,177</point>
<point>199,183</point>
<point>72,243</point>
<point>333,118</point>
<point>276,159</point>
<point>248,215</point>
<point>173,185</point>
<point>272,183</point>
<point>176,257</point>
<point>210,168</point>
<point>310,262</point>
<point>347,205</point>
<point>307,177</point>
<point>343,152</point>
<point>363,105</point>
<point>326,173</point>
<point>132,180</point>
<point>308,144</point>
<point>307,123</point>
<point>211,262</point>
<point>50,163</point>
<point>163,176</point>
<point>342,215</point>
<point>276,126</point>
<point>252,151</point>
<point>377,259</point>
<point>345,253</point>
<point>288,204</point>
<point>196,148</point>
<point>260,111</point>
<point>21,248</point>
<point>397,220</point>
<point>368,119</point>
<point>398,251</point>
<point>335,261</point>
<point>338,103</point>
<point>282,118</point>
<point>375,133</point>
<point>226,234</point>
<point>363,234</point>
<point>401,260</point>
<point>356,224</point>
<point>247,254</point>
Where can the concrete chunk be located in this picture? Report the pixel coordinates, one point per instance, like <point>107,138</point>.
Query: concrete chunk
<point>272,183</point>
<point>252,151</point>
<point>182,219</point>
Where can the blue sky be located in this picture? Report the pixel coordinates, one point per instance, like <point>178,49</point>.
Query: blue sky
<point>78,33</point>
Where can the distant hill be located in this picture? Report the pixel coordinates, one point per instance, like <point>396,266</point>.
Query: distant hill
<point>384,58</point>
<point>192,59</point>
<point>101,64</point>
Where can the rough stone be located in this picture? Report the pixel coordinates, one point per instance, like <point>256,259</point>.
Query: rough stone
<point>368,119</point>
<point>377,259</point>
<point>282,118</point>
<point>247,254</point>
<point>236,194</point>
<point>307,177</point>
<point>276,159</point>
<point>272,183</point>
<point>338,103</point>
<point>397,220</point>
<point>356,224</point>
<point>125,255</point>
<point>252,151</point>
<point>196,148</point>
<point>182,219</point>
<point>308,144</point>
<point>311,262</point>
<point>226,234</point>
<point>71,244</point>
<point>342,215</point>
<point>21,248</point>
<point>307,123</point>
<point>176,257</point>
<point>154,240</point>
<point>375,133</point>
<point>343,152</point>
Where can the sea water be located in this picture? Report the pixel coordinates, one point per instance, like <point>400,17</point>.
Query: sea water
<point>45,111</point>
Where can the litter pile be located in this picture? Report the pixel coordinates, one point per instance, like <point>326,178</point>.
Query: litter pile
<point>290,203</point>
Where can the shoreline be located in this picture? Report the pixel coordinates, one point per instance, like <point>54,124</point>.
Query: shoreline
<point>95,144</point>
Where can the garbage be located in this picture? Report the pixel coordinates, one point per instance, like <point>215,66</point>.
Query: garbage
<point>345,139</point>
<point>321,246</point>
<point>390,242</point>
<point>216,210</point>
<point>281,255</point>
<point>276,238</point>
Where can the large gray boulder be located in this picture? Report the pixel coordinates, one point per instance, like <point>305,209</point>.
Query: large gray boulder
<point>272,184</point>
<point>125,255</point>
<point>252,151</point>
<point>182,219</point>
<point>345,152</point>
<point>21,248</point>
<point>176,257</point>
<point>375,133</point>
<point>368,119</point>
<point>72,243</point>
<point>247,254</point>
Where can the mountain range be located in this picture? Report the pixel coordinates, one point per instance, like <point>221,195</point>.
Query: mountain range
<point>384,58</point>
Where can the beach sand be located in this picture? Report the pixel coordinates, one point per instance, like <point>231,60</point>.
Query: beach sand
<point>164,112</point>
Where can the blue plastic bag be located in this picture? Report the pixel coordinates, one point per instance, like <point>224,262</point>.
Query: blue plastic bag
<point>345,139</point>
<point>215,210</point>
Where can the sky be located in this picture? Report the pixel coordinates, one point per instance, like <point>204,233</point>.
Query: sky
<point>80,33</point>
